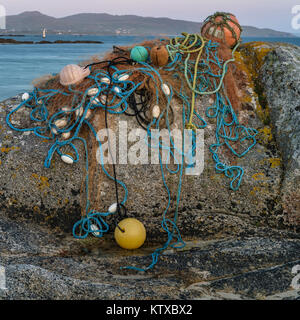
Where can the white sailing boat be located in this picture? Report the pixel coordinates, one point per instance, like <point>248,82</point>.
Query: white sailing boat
<point>44,33</point>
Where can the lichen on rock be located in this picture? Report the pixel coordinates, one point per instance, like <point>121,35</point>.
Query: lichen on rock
<point>224,230</point>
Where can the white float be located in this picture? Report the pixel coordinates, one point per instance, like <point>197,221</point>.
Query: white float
<point>67,159</point>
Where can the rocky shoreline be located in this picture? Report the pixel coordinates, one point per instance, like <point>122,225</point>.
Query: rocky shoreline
<point>240,245</point>
<point>13,41</point>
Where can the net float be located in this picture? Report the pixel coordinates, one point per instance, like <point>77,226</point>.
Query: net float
<point>156,111</point>
<point>139,54</point>
<point>66,109</point>
<point>88,114</point>
<point>113,208</point>
<point>73,74</point>
<point>130,234</point>
<point>103,99</point>
<point>93,91</point>
<point>105,80</point>
<point>123,77</point>
<point>79,112</point>
<point>54,131</point>
<point>66,135</point>
<point>25,96</point>
<point>117,90</point>
<point>159,56</point>
<point>166,89</point>
<point>67,159</point>
<point>95,101</point>
<point>222,27</point>
<point>60,123</point>
<point>95,230</point>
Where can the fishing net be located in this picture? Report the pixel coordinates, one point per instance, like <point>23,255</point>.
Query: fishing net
<point>117,85</point>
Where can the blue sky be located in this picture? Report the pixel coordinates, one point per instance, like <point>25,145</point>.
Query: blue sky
<point>275,14</point>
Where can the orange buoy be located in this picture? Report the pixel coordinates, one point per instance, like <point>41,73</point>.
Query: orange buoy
<point>222,27</point>
<point>159,56</point>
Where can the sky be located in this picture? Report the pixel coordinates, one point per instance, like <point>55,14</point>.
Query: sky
<point>274,14</point>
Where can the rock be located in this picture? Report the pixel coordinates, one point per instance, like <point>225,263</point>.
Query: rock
<point>274,74</point>
<point>208,206</point>
<point>240,245</point>
<point>78,41</point>
<point>27,190</point>
<point>40,264</point>
<point>13,41</point>
<point>280,77</point>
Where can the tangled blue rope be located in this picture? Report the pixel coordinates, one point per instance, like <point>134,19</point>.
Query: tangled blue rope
<point>112,93</point>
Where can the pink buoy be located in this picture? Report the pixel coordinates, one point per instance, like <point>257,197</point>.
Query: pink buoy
<point>73,74</point>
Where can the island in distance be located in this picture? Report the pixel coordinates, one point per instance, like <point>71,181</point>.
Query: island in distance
<point>31,22</point>
<point>13,41</point>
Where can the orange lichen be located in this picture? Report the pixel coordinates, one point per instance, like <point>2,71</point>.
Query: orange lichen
<point>259,176</point>
<point>42,182</point>
<point>36,209</point>
<point>7,150</point>
<point>266,134</point>
<point>250,59</point>
<point>275,162</point>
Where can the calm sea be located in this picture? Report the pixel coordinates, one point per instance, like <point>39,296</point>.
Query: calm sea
<point>20,64</point>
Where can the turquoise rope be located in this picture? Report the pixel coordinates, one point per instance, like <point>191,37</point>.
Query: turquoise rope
<point>228,130</point>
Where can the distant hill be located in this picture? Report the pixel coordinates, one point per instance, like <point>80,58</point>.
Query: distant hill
<point>105,24</point>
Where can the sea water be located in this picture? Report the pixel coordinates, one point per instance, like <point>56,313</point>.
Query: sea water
<point>20,64</point>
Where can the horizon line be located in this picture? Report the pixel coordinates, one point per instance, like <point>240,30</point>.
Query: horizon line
<point>136,15</point>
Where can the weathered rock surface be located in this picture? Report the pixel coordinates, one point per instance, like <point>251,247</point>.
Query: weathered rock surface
<point>44,265</point>
<point>208,207</point>
<point>241,245</point>
<point>280,76</point>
